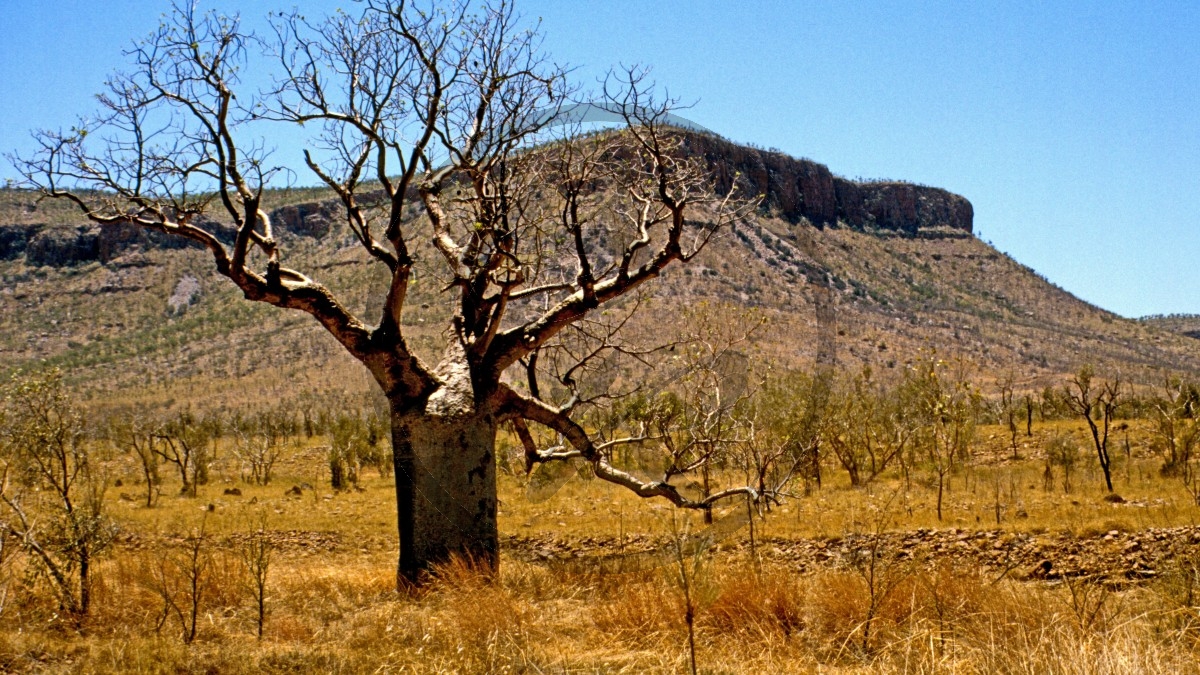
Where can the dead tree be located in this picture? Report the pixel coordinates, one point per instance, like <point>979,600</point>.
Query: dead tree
<point>184,443</point>
<point>136,437</point>
<point>426,124</point>
<point>258,453</point>
<point>1007,411</point>
<point>1091,403</point>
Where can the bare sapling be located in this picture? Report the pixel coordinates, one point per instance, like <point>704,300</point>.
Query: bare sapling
<point>138,438</point>
<point>181,576</point>
<point>880,570</point>
<point>688,566</point>
<point>8,548</point>
<point>256,551</point>
<point>1097,405</point>
<point>1062,451</point>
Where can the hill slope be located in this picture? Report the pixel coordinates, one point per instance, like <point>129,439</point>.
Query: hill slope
<point>864,273</point>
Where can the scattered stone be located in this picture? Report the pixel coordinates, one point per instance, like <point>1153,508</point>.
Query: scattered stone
<point>1042,570</point>
<point>1117,556</point>
<point>186,293</point>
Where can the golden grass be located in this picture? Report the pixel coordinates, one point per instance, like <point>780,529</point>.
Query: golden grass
<point>338,612</point>
<point>332,604</point>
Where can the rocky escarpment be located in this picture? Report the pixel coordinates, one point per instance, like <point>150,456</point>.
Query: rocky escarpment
<point>66,245</point>
<point>795,189</point>
<point>801,189</point>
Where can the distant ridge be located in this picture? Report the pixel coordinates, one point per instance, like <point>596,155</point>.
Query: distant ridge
<point>1187,325</point>
<point>793,189</point>
<point>803,189</point>
<point>862,274</point>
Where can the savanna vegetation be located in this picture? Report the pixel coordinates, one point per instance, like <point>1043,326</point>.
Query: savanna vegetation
<point>900,538</point>
<point>771,498</point>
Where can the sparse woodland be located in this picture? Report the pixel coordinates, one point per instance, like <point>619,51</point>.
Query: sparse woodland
<point>605,443</point>
<point>904,536</point>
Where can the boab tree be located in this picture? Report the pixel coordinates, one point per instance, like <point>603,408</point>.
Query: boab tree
<point>429,123</point>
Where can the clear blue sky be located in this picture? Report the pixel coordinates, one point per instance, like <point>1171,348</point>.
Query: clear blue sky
<point>1073,129</point>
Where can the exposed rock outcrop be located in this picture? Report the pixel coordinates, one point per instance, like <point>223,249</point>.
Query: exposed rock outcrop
<point>61,246</point>
<point>14,239</point>
<point>117,240</point>
<point>66,245</point>
<point>795,189</point>
<point>803,189</point>
<point>310,219</point>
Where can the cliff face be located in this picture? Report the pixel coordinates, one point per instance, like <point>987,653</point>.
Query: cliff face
<point>795,189</point>
<point>801,188</point>
<point>66,245</point>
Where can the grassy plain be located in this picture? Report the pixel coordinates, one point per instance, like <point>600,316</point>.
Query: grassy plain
<point>840,579</point>
<point>332,605</point>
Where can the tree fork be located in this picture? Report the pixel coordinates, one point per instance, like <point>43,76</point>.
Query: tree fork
<point>402,98</point>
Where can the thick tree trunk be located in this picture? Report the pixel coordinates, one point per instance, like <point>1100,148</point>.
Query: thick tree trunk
<point>445,489</point>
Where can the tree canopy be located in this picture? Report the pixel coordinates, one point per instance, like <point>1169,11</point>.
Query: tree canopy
<point>446,132</point>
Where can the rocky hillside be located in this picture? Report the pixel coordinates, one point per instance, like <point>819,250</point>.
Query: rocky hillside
<point>44,234</point>
<point>803,190</point>
<point>794,190</point>
<point>857,273</point>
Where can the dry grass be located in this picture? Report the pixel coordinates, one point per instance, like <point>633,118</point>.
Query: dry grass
<point>365,518</point>
<point>593,508</point>
<point>339,613</point>
<point>332,604</point>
